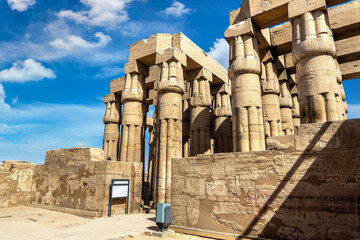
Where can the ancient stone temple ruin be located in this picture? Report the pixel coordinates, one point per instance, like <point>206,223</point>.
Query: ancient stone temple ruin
<point>260,149</point>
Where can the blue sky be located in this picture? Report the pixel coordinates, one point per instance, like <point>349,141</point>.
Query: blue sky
<point>57,59</point>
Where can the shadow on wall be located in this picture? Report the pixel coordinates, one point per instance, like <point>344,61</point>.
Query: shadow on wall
<point>324,200</point>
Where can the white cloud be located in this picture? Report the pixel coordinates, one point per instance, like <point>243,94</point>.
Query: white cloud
<point>29,70</point>
<point>4,107</point>
<point>104,13</point>
<point>177,9</point>
<point>220,52</point>
<point>6,129</point>
<point>20,5</point>
<point>71,42</point>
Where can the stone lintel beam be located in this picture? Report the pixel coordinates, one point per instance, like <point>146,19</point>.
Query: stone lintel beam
<point>264,14</point>
<point>150,81</point>
<point>201,73</point>
<point>268,13</point>
<point>223,88</point>
<point>345,19</point>
<point>117,85</point>
<point>348,49</point>
<point>247,27</point>
<point>297,8</point>
<point>112,97</point>
<point>170,54</point>
<point>136,67</point>
<point>145,49</point>
<point>198,58</point>
<point>344,22</point>
<point>350,70</point>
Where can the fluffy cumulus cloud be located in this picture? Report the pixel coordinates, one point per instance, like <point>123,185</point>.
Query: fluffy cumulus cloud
<point>176,9</point>
<point>26,71</point>
<point>71,42</point>
<point>104,13</point>
<point>220,52</point>
<point>20,5</point>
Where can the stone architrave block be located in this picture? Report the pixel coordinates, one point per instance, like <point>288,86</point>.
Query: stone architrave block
<point>297,8</point>
<point>136,67</point>
<point>245,27</point>
<point>112,97</point>
<point>201,73</point>
<point>171,54</point>
<point>117,85</point>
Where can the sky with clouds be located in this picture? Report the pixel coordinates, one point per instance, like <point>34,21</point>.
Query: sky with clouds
<point>57,59</point>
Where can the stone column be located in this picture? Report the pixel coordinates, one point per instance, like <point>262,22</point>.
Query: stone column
<point>340,96</point>
<point>313,54</point>
<point>112,124</point>
<point>200,115</point>
<point>286,104</point>
<point>186,121</point>
<point>133,121</point>
<point>244,72</point>
<point>170,93</point>
<point>270,96</point>
<point>295,100</point>
<point>222,112</point>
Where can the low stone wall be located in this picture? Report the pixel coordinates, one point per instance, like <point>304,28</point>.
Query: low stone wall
<point>79,178</point>
<point>15,183</point>
<point>307,190</point>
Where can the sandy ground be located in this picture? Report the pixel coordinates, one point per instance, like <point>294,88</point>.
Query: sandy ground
<point>29,223</point>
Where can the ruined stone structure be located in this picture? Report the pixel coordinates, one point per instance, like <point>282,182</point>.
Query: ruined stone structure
<point>261,149</point>
<point>191,95</point>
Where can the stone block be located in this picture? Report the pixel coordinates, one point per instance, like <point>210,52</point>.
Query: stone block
<point>136,67</point>
<point>296,8</point>
<point>201,73</point>
<point>144,50</point>
<point>171,54</point>
<point>198,58</point>
<point>117,85</point>
<point>244,27</point>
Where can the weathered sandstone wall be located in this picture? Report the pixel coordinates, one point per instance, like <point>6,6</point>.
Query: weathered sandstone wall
<point>308,190</point>
<point>79,178</point>
<point>15,183</point>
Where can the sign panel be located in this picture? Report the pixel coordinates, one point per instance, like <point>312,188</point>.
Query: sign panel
<point>119,188</point>
<point>120,191</point>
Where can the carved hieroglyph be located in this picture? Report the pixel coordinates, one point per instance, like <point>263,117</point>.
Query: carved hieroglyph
<point>111,132</point>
